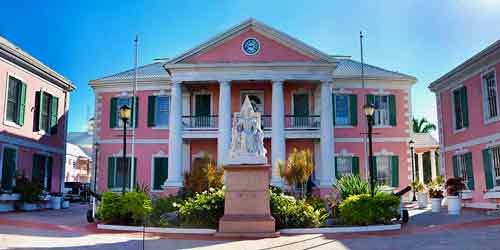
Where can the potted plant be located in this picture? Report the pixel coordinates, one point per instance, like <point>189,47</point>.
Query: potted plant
<point>436,193</point>
<point>65,203</point>
<point>31,194</point>
<point>7,200</point>
<point>453,188</point>
<point>421,194</point>
<point>56,200</point>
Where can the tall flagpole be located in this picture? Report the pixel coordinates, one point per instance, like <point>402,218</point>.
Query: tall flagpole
<point>134,88</point>
<point>363,86</point>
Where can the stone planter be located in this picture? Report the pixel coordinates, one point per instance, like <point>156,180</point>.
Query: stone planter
<point>436,205</point>
<point>454,205</point>
<point>56,202</point>
<point>25,206</point>
<point>65,204</point>
<point>7,202</point>
<point>422,199</point>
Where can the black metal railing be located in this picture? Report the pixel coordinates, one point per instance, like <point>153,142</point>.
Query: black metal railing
<point>302,121</point>
<point>267,121</point>
<point>200,122</point>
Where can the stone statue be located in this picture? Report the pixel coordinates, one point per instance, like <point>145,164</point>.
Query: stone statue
<point>247,139</point>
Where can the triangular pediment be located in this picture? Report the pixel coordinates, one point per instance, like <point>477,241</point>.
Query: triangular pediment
<point>251,41</point>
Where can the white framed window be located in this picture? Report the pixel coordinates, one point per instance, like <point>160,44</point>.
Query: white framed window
<point>162,111</point>
<point>384,170</point>
<point>120,102</point>
<point>381,115</point>
<point>490,96</point>
<point>461,168</point>
<point>256,98</point>
<point>117,171</point>
<point>344,166</point>
<point>16,91</point>
<point>342,110</point>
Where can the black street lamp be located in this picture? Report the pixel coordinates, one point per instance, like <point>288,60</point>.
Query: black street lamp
<point>412,148</point>
<point>369,109</point>
<point>125,116</point>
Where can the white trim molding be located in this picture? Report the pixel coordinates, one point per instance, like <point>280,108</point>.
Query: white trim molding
<point>473,142</point>
<point>30,144</point>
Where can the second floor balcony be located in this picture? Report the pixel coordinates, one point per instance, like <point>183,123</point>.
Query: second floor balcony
<point>211,122</point>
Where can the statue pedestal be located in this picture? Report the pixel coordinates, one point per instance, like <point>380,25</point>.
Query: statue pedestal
<point>246,209</point>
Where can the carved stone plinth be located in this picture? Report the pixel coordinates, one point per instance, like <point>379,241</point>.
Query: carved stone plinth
<point>247,210</point>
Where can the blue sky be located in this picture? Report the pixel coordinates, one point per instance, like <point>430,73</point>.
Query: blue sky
<point>84,40</point>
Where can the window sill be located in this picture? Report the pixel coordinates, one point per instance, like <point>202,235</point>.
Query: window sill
<point>344,126</point>
<point>492,194</point>
<point>383,126</point>
<point>160,128</point>
<point>466,195</point>
<point>456,131</point>
<point>11,124</point>
<point>121,129</point>
<point>492,120</point>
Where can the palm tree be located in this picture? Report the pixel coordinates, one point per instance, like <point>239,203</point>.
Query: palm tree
<point>422,125</point>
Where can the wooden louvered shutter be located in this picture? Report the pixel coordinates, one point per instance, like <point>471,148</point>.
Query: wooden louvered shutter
<point>151,110</point>
<point>353,102</point>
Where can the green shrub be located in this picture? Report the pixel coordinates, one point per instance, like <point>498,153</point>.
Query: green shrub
<point>351,185</point>
<point>316,202</point>
<point>136,206</point>
<point>203,210</point>
<point>129,209</point>
<point>29,191</point>
<point>291,213</point>
<point>364,210</point>
<point>161,208</point>
<point>109,208</point>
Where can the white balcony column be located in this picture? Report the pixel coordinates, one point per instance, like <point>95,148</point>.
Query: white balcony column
<point>278,148</point>
<point>433,164</point>
<point>420,167</point>
<point>224,136</point>
<point>175,137</point>
<point>327,148</point>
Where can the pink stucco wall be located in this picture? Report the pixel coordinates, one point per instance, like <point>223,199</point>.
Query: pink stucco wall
<point>32,140</point>
<point>230,51</point>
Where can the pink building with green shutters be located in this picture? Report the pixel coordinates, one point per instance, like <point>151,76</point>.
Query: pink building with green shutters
<point>469,126</point>
<point>308,100</point>
<point>33,119</point>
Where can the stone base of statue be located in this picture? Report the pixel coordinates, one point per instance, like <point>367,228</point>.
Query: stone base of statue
<point>247,210</point>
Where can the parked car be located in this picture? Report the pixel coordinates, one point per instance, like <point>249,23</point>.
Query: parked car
<point>76,191</point>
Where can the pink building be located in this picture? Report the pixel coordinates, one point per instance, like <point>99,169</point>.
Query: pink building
<point>469,126</point>
<point>33,113</point>
<point>308,100</point>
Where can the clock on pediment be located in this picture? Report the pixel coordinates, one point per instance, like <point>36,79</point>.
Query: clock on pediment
<point>250,46</point>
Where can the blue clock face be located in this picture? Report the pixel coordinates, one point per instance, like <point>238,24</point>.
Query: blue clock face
<point>251,46</point>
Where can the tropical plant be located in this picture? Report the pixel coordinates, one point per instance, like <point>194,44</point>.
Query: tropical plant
<point>289,212</point>
<point>436,187</point>
<point>29,191</point>
<point>364,209</point>
<point>417,186</point>
<point>298,168</point>
<point>203,210</point>
<point>454,186</point>
<point>351,185</point>
<point>203,175</point>
<point>422,125</point>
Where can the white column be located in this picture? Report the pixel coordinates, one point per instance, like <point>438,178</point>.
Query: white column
<point>175,137</point>
<point>327,173</point>
<point>433,164</point>
<point>224,136</point>
<point>420,167</point>
<point>278,132</point>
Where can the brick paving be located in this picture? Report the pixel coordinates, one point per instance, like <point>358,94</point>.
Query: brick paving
<point>67,229</point>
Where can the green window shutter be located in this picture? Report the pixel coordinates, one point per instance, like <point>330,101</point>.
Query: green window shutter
<point>336,163</point>
<point>370,99</point>
<point>113,115</point>
<point>35,171</point>
<point>355,165</point>
<point>8,168</point>
<point>470,172</point>
<point>395,171</point>
<point>488,168</point>
<point>135,171</point>
<point>54,120</point>
<point>160,172</point>
<point>49,174</point>
<point>151,110</point>
<point>135,110</point>
<point>333,108</point>
<point>111,172</point>
<point>392,110</point>
<point>456,170</point>
<point>353,101</point>
<point>38,110</point>
<point>465,108</point>
<point>22,104</point>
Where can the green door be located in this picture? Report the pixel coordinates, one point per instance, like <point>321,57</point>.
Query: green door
<point>202,111</point>
<point>301,110</point>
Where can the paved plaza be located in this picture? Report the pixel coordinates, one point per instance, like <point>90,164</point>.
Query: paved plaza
<point>67,229</point>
